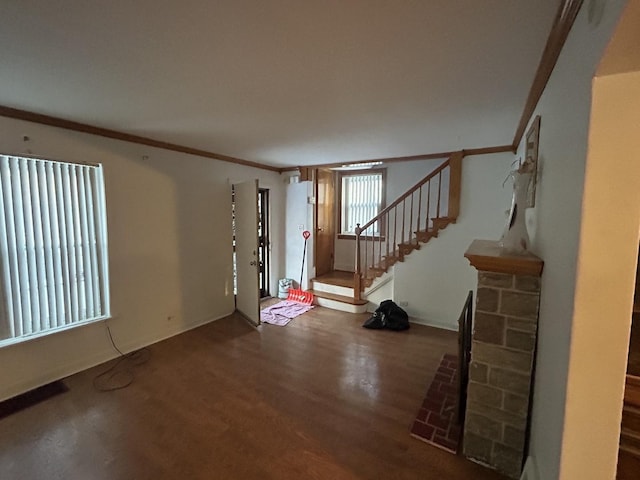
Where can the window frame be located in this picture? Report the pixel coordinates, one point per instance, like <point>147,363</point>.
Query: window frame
<point>383,203</point>
<point>97,232</point>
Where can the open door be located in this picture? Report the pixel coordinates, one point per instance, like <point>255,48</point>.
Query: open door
<point>246,242</point>
<point>325,221</point>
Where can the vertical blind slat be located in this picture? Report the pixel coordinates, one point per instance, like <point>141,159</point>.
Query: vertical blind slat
<point>103,246</point>
<point>84,230</point>
<point>29,245</point>
<point>95,285</point>
<point>20,300</point>
<point>77,231</point>
<point>42,322</point>
<point>7,328</point>
<point>56,259</point>
<point>71,243</point>
<point>48,244</point>
<point>64,242</point>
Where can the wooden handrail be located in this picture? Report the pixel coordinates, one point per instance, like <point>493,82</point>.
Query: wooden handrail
<point>410,191</point>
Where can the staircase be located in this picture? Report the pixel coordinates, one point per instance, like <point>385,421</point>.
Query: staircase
<point>629,453</point>
<point>411,221</point>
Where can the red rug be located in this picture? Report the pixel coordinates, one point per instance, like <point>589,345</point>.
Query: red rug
<point>436,420</point>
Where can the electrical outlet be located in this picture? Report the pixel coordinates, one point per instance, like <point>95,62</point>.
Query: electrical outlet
<point>404,304</point>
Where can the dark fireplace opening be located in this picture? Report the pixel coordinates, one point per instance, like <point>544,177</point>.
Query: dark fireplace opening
<point>465,330</point>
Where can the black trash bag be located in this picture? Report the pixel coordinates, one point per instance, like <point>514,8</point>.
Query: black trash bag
<point>376,322</point>
<point>388,315</point>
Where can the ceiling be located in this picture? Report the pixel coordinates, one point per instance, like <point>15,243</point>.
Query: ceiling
<point>280,82</point>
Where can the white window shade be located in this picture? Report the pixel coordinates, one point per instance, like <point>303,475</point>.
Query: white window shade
<point>53,245</point>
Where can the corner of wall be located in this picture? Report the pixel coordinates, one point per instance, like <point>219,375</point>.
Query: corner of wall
<point>530,471</point>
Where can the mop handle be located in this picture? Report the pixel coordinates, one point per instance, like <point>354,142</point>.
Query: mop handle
<point>306,234</point>
<point>304,253</point>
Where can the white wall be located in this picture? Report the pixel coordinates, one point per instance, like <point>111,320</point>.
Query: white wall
<point>606,268</point>
<point>400,177</point>
<point>565,110</point>
<point>169,247</point>
<point>435,280</point>
<point>299,217</point>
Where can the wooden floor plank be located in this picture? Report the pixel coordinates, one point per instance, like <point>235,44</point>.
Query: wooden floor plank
<point>321,398</point>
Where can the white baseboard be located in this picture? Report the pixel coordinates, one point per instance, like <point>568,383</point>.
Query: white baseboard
<point>430,323</point>
<point>80,364</point>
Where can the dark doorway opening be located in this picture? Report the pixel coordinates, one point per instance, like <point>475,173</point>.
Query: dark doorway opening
<point>263,240</point>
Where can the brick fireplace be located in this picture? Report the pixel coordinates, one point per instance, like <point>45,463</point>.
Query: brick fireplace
<point>502,356</point>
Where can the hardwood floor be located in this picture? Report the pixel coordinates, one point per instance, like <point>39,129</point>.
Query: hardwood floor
<point>321,398</point>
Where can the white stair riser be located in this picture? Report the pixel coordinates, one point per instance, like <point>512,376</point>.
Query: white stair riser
<point>335,289</point>
<point>343,307</point>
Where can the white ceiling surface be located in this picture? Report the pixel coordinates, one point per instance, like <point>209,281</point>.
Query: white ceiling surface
<point>281,82</point>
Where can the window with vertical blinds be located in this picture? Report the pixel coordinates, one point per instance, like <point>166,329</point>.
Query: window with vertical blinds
<point>361,198</point>
<point>53,244</point>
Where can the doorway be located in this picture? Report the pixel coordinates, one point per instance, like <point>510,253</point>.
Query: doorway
<point>263,241</point>
<point>244,208</point>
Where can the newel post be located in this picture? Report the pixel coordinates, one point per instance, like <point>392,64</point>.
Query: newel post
<point>455,185</point>
<point>357,278</point>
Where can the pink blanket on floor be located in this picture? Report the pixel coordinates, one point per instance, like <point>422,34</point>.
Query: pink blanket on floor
<point>281,313</point>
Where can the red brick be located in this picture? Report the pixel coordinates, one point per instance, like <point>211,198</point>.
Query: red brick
<point>429,404</point>
<point>439,421</point>
<point>436,396</point>
<point>422,430</point>
<point>449,388</point>
<point>434,387</point>
<point>446,371</point>
<point>446,443</point>
<point>422,415</point>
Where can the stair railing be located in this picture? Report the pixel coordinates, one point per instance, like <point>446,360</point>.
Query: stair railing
<point>412,218</point>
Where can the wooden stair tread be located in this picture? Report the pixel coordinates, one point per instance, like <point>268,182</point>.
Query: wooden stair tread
<point>378,269</point>
<point>633,409</point>
<point>630,450</point>
<point>344,279</point>
<point>628,465</point>
<point>632,391</point>
<point>630,433</point>
<point>630,419</point>
<point>338,298</point>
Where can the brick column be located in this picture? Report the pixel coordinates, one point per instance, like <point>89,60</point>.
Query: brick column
<point>502,355</point>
